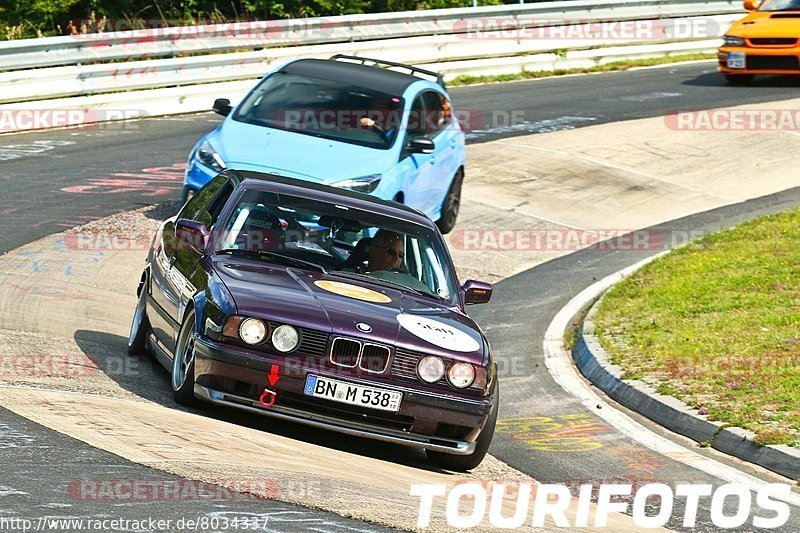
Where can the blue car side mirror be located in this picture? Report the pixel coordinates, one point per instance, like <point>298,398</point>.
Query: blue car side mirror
<point>222,106</point>
<point>421,145</point>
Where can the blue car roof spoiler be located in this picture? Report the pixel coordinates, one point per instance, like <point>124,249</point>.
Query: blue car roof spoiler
<point>414,71</point>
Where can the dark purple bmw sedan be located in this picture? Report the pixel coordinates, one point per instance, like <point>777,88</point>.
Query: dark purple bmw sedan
<point>322,306</point>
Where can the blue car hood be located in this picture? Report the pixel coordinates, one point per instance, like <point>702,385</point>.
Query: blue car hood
<point>249,147</point>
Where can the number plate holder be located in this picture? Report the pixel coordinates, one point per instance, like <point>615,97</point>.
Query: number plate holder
<point>736,60</point>
<point>353,393</point>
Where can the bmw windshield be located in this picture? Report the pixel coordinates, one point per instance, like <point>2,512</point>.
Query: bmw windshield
<point>323,108</point>
<point>338,240</point>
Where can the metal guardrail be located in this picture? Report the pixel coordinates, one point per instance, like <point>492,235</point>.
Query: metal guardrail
<point>37,84</point>
<point>495,39</point>
<point>162,42</point>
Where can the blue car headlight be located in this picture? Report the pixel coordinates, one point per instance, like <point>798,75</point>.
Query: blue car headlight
<point>365,184</point>
<point>206,155</point>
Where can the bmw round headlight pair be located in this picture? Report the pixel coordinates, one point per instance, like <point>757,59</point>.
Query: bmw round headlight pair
<point>431,369</point>
<point>284,338</point>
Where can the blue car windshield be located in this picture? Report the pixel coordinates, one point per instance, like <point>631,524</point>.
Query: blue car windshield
<point>323,108</point>
<point>780,5</point>
<point>339,240</point>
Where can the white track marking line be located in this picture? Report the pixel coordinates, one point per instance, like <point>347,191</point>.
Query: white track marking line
<point>10,491</point>
<point>560,365</point>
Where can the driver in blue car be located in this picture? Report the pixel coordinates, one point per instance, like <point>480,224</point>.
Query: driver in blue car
<point>383,117</point>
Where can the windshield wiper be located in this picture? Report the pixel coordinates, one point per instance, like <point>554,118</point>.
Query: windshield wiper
<point>373,279</point>
<point>285,259</point>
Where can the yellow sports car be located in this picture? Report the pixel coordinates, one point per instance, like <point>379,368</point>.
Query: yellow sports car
<point>763,42</point>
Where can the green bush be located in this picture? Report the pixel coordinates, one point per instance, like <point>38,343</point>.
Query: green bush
<point>36,18</point>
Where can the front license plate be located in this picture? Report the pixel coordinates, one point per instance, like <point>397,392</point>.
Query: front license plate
<point>736,59</point>
<point>344,392</point>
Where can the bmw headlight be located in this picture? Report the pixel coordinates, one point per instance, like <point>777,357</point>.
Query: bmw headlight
<point>461,375</point>
<point>730,40</point>
<point>252,330</point>
<point>430,369</point>
<point>285,338</point>
<point>365,184</point>
<point>209,157</point>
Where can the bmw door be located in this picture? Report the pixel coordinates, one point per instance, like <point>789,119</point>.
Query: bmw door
<point>168,269</point>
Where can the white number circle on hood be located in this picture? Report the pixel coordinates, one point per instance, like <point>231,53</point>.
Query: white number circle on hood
<point>438,333</point>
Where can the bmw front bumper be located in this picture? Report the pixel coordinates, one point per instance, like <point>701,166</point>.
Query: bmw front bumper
<point>233,377</point>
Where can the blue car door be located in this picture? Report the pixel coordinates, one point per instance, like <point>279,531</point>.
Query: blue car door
<point>419,169</point>
<point>446,136</point>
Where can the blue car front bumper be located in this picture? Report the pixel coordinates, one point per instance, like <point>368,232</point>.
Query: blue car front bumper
<point>197,175</point>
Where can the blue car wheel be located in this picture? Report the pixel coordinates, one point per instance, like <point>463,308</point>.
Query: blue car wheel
<point>451,205</point>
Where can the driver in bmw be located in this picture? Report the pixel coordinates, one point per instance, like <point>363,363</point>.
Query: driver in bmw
<point>385,251</point>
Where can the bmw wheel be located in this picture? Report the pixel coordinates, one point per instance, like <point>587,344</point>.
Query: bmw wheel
<point>462,463</point>
<point>140,326</point>
<point>452,202</point>
<point>183,363</point>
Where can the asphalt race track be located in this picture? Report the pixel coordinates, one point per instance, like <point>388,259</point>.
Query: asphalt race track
<point>112,159</point>
<point>54,180</point>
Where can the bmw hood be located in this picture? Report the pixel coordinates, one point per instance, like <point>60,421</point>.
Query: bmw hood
<point>250,147</point>
<point>348,307</point>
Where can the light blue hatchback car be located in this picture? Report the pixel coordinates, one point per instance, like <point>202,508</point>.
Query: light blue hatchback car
<point>366,125</point>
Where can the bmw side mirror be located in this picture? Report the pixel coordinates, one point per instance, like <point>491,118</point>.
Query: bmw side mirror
<point>421,145</point>
<point>222,106</point>
<point>191,235</point>
<point>477,292</point>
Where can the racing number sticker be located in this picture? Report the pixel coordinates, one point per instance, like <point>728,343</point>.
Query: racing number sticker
<point>438,333</point>
<point>353,291</point>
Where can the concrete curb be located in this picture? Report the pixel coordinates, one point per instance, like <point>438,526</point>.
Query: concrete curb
<point>592,361</point>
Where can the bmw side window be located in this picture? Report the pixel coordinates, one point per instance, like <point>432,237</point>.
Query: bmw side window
<point>195,208</point>
<point>215,208</point>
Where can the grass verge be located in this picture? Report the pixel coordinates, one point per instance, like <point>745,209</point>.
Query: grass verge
<point>717,325</point>
<point>466,79</point>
